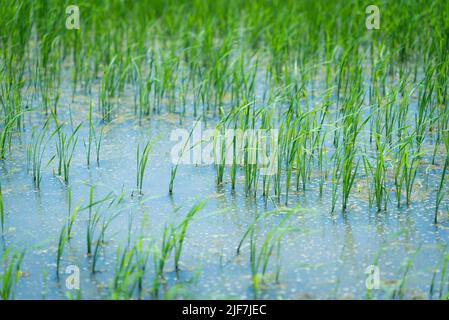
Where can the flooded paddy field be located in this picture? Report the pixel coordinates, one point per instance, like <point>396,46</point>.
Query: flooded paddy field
<point>190,151</point>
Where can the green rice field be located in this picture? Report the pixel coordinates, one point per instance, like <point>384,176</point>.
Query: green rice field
<point>224,149</point>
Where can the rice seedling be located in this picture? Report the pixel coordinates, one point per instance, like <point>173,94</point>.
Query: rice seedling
<point>174,168</point>
<point>160,257</point>
<point>144,86</point>
<point>98,140</point>
<point>10,273</point>
<point>93,208</point>
<point>100,240</point>
<point>62,240</point>
<point>439,195</point>
<point>219,153</point>
<point>71,214</point>
<point>36,152</point>
<point>91,135</point>
<point>352,125</point>
<point>124,282</point>
<point>441,292</point>
<point>142,256</point>
<point>409,171</point>
<point>179,236</point>
<point>74,296</point>
<point>92,221</point>
<point>65,148</point>
<point>130,269</point>
<point>336,176</point>
<point>399,289</point>
<point>378,172</point>
<point>142,160</point>
<point>5,137</point>
<point>105,223</point>
<point>398,165</point>
<point>260,257</point>
<point>108,88</point>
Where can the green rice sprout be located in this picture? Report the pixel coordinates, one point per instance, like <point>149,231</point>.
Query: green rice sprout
<point>174,168</point>
<point>142,161</point>
<point>71,217</point>
<point>62,240</point>
<point>124,281</point>
<point>5,137</point>
<point>261,256</point>
<point>10,273</point>
<point>90,137</point>
<point>37,151</point>
<point>101,240</point>
<point>65,148</point>
<point>439,196</point>
<point>179,236</point>
<point>160,257</point>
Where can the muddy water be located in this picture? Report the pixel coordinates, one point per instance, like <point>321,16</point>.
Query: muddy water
<point>324,255</point>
